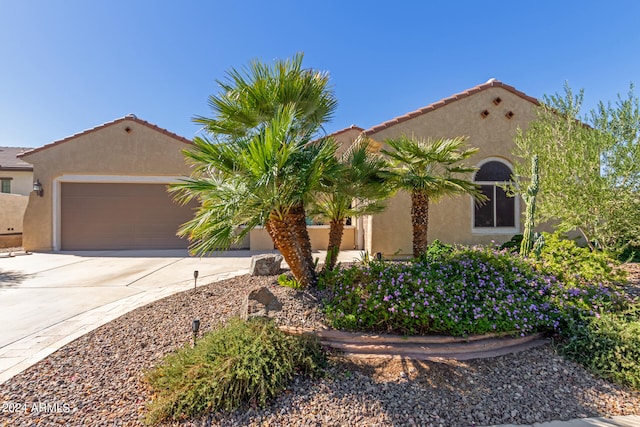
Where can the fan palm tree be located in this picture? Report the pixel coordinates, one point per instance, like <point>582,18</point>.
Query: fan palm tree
<point>260,162</point>
<point>250,98</point>
<point>355,187</point>
<point>429,169</point>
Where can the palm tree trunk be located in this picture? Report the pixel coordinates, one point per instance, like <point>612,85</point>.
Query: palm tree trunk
<point>291,238</point>
<point>420,221</point>
<point>336,229</point>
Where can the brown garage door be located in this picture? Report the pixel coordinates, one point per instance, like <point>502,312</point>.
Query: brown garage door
<point>98,216</point>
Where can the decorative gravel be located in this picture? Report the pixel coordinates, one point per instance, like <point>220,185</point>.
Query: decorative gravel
<point>97,379</point>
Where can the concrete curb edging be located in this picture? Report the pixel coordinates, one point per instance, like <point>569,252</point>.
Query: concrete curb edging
<point>364,346</point>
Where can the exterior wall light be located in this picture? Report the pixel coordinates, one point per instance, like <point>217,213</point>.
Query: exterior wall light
<point>37,187</point>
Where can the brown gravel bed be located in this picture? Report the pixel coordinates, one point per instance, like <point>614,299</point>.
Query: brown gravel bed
<point>96,380</point>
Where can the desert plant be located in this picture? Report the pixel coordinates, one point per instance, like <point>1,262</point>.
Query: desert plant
<point>607,344</point>
<point>261,161</point>
<point>513,244</point>
<point>355,187</point>
<point>530,200</point>
<point>436,250</point>
<point>589,175</point>
<point>430,169</point>
<point>245,361</point>
<point>573,264</point>
<point>289,282</point>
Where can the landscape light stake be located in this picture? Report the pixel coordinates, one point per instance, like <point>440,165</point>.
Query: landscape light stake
<point>195,280</point>
<point>195,326</point>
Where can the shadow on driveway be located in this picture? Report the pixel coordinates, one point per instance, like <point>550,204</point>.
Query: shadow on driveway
<point>11,278</point>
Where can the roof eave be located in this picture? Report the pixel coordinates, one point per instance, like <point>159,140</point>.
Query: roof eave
<point>441,103</point>
<point>102,126</point>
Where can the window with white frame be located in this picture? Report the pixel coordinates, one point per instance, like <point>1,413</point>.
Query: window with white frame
<point>499,211</point>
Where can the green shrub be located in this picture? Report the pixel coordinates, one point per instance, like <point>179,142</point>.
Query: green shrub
<point>436,250</point>
<point>630,254</point>
<point>572,264</point>
<point>245,361</point>
<point>289,282</point>
<point>607,344</point>
<point>513,245</point>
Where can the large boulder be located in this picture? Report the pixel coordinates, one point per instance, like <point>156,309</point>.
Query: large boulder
<point>260,303</point>
<point>265,265</point>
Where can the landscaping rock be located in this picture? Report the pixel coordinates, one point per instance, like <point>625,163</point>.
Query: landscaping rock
<point>265,265</point>
<point>98,379</point>
<point>260,303</point>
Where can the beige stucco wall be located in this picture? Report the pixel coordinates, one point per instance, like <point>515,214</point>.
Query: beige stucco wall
<point>109,153</point>
<point>450,220</point>
<point>21,181</point>
<point>346,138</point>
<point>318,234</point>
<point>12,208</point>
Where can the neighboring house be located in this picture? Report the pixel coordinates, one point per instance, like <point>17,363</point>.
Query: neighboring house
<point>16,175</point>
<point>105,188</point>
<point>16,182</point>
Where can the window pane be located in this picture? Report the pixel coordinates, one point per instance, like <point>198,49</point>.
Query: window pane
<point>484,214</point>
<point>505,207</point>
<point>494,171</point>
<point>5,186</point>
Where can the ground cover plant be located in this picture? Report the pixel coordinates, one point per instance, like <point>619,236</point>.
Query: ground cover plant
<point>459,292</point>
<point>607,344</point>
<point>245,361</point>
<point>450,290</point>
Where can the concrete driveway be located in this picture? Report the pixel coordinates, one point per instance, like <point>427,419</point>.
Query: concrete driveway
<point>49,299</point>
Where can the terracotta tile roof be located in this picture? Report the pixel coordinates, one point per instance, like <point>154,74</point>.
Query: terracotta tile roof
<point>9,159</point>
<point>489,84</point>
<point>352,127</point>
<point>129,117</point>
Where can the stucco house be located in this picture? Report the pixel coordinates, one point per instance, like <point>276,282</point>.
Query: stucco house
<point>16,175</point>
<point>489,115</point>
<point>105,188</point>
<point>16,182</point>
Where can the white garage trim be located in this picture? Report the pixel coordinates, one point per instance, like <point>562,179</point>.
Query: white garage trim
<point>113,179</point>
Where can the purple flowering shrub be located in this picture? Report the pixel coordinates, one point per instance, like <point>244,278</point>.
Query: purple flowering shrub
<point>465,291</point>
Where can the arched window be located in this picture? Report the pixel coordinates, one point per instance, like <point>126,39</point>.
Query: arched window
<point>499,211</point>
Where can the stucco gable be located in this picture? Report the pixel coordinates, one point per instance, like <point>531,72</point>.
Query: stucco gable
<point>447,101</point>
<point>130,117</point>
<point>353,129</point>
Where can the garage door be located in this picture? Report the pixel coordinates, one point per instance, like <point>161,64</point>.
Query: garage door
<point>98,216</point>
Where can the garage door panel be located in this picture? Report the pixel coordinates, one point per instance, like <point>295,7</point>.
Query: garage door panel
<point>120,216</point>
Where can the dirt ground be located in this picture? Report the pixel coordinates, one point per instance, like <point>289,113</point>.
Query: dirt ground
<point>633,278</point>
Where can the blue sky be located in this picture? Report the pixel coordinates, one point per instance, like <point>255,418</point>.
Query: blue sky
<point>69,65</point>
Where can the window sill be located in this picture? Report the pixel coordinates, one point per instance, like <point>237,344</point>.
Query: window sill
<point>495,230</point>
